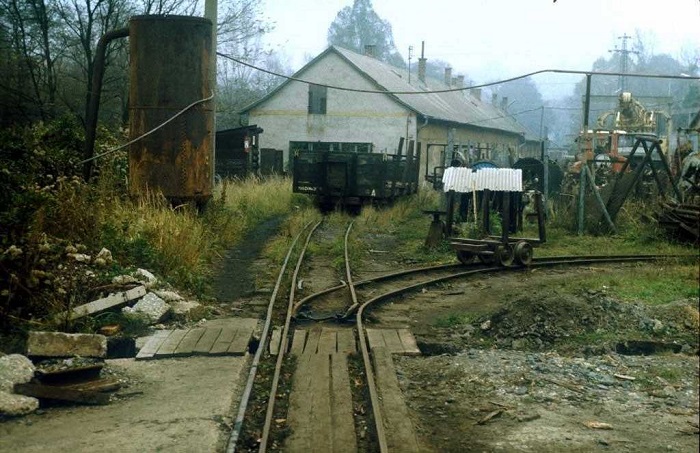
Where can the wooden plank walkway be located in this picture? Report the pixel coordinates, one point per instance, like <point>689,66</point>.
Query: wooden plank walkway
<point>320,404</point>
<point>219,337</point>
<point>396,341</point>
<point>320,413</point>
<point>400,434</point>
<point>324,341</point>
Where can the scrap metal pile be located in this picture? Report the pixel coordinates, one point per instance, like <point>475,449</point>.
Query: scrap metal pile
<point>681,221</point>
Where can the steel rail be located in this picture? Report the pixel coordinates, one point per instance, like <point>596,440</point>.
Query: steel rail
<point>542,262</point>
<point>360,311</point>
<point>283,345</point>
<point>369,373</point>
<point>421,270</point>
<point>238,423</point>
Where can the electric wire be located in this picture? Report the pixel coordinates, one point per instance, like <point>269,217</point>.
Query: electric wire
<point>450,90</point>
<point>114,150</point>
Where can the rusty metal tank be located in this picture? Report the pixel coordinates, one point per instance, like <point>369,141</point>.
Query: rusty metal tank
<point>169,70</point>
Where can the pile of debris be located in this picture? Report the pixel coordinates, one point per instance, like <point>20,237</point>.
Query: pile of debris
<point>58,367</point>
<point>681,221</point>
<point>67,367</point>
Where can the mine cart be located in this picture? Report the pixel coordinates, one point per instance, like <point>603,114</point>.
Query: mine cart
<point>506,186</point>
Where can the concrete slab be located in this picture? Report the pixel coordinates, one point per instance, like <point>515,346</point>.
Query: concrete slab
<point>174,405</point>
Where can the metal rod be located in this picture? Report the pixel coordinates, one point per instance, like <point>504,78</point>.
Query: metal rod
<point>581,199</point>
<point>96,91</point>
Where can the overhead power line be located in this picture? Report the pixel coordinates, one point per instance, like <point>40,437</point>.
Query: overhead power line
<point>449,90</point>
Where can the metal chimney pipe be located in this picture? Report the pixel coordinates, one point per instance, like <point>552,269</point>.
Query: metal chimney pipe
<point>422,63</point>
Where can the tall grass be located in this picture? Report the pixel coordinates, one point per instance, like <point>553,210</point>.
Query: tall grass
<point>183,244</point>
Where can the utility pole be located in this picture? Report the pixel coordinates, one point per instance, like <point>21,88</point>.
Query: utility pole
<point>624,52</point>
<point>410,55</point>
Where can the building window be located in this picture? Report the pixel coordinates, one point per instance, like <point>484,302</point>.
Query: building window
<point>317,99</point>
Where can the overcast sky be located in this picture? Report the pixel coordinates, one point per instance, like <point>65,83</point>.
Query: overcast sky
<point>488,40</point>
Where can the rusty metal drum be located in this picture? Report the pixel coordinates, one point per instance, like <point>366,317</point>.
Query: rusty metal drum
<point>169,70</point>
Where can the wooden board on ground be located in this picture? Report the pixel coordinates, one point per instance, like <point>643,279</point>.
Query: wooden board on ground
<point>298,342</point>
<point>396,341</point>
<point>400,434</point>
<point>410,346</point>
<point>327,341</point>
<point>312,337</point>
<point>324,341</point>
<point>275,340</point>
<point>154,342</point>
<point>221,337</point>
<point>223,342</point>
<point>320,405</point>
<point>167,349</point>
<point>189,341</point>
<point>51,392</point>
<point>206,341</point>
<point>346,341</point>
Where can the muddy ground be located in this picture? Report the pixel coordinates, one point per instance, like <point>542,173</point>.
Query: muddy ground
<point>522,362</point>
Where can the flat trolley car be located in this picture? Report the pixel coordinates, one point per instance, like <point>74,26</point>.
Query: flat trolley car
<point>351,179</point>
<point>506,185</point>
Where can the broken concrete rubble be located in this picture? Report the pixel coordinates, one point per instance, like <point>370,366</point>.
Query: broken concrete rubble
<point>15,369</point>
<point>168,296</point>
<point>12,405</point>
<point>151,307</point>
<point>184,310</point>
<point>58,344</point>
<point>146,277</point>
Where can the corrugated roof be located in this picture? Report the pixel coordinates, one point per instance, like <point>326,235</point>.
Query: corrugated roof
<point>465,180</point>
<point>454,106</point>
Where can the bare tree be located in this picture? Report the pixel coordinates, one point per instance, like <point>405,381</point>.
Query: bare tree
<point>29,24</point>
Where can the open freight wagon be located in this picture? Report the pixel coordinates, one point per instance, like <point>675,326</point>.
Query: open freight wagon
<point>349,179</point>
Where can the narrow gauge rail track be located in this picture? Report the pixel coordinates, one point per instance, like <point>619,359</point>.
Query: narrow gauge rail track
<point>414,279</point>
<point>401,282</point>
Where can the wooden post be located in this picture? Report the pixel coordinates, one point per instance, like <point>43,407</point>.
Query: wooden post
<point>450,200</point>
<point>581,198</point>
<point>540,217</point>
<point>505,216</point>
<point>486,210</point>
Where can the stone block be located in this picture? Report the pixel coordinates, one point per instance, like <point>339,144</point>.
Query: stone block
<point>58,344</point>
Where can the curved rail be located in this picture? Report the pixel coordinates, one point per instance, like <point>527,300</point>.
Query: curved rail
<point>238,423</point>
<point>283,345</point>
<point>550,261</point>
<point>369,373</point>
<point>542,262</point>
<point>361,307</point>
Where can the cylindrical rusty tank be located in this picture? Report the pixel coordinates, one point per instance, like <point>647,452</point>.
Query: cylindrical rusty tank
<point>169,71</point>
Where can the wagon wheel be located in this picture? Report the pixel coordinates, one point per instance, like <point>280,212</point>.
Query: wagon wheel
<point>523,253</point>
<point>487,259</point>
<point>504,254</point>
<point>465,257</point>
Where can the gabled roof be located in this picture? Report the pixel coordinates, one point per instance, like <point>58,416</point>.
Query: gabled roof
<point>455,106</point>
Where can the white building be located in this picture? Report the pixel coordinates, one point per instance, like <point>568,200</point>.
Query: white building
<point>299,115</point>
